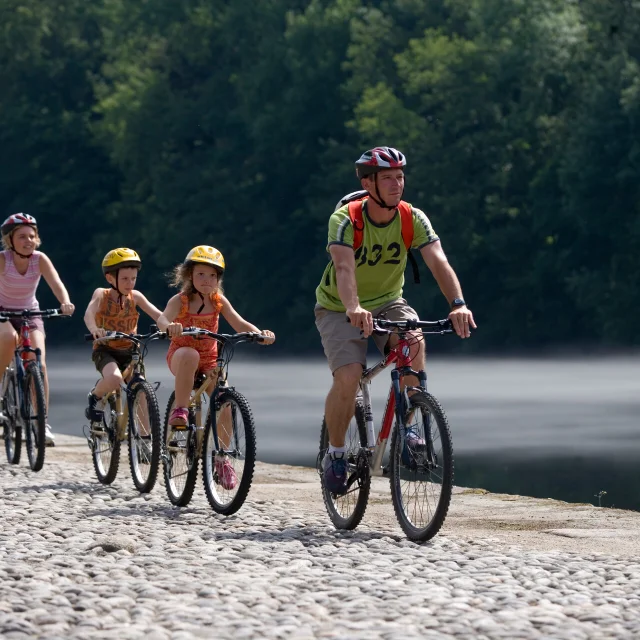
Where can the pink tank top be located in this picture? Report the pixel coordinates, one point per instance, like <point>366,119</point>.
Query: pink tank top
<point>18,291</point>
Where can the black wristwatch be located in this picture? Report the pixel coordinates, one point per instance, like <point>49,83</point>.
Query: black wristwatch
<point>458,302</point>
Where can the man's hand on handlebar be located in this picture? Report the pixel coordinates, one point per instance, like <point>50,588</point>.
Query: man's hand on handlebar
<point>98,333</point>
<point>361,319</point>
<point>462,321</point>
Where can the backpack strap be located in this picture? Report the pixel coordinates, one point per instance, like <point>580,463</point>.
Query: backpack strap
<point>357,222</point>
<point>406,220</point>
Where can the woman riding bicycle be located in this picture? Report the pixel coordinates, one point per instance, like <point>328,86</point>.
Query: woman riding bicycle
<point>199,304</point>
<point>21,266</point>
<point>115,309</point>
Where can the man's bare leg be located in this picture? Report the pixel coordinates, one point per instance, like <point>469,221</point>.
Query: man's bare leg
<point>341,401</point>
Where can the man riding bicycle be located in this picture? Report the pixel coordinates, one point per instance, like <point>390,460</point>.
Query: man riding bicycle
<point>373,232</point>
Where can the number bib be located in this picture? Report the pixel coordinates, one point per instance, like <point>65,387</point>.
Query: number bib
<point>380,260</point>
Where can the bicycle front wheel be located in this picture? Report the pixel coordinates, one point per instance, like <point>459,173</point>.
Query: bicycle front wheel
<point>144,437</point>
<point>11,409</point>
<point>346,511</point>
<point>229,455</point>
<point>180,461</point>
<point>35,416</point>
<point>422,468</point>
<point>104,441</point>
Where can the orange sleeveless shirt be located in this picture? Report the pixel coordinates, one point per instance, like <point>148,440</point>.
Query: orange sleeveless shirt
<point>113,317</point>
<point>206,347</point>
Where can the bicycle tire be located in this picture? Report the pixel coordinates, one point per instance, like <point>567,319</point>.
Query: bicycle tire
<point>34,424</point>
<point>105,444</point>
<point>179,492</point>
<point>227,500</point>
<point>413,476</point>
<point>12,432</point>
<point>144,450</point>
<point>347,511</point>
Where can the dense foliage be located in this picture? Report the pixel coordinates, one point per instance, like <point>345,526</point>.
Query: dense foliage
<point>160,125</point>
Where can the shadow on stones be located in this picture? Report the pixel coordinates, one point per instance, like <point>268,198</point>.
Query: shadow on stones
<point>76,487</point>
<point>306,534</point>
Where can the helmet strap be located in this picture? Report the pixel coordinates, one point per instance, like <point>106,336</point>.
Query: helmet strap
<point>378,200</point>
<point>117,290</point>
<point>199,311</point>
<point>15,250</point>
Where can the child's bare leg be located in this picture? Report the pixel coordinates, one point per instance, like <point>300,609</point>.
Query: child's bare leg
<point>141,415</point>
<point>224,426</point>
<point>8,342</point>
<point>111,380</point>
<point>184,364</point>
<point>37,342</point>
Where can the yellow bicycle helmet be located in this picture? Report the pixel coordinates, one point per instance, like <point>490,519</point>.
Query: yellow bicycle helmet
<point>206,255</point>
<point>120,258</point>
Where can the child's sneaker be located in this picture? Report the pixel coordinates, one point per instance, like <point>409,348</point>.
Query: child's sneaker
<point>49,438</point>
<point>226,473</point>
<point>179,417</point>
<point>91,412</point>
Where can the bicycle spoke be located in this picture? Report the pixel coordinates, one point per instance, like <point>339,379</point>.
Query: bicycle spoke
<point>422,469</point>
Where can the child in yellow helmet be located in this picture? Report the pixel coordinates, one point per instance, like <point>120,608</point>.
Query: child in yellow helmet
<point>199,304</point>
<point>115,309</point>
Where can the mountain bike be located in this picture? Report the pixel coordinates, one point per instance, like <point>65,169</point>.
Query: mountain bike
<point>420,466</point>
<point>226,442</point>
<point>24,406</point>
<point>129,413</point>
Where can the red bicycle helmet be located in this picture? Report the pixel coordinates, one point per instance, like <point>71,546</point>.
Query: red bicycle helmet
<point>17,220</point>
<point>377,159</point>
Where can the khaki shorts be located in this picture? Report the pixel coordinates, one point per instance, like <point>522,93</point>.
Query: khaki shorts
<point>343,344</point>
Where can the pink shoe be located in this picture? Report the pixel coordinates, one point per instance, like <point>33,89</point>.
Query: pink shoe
<point>226,473</point>
<point>179,417</point>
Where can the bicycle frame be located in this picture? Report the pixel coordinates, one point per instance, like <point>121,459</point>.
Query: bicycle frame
<point>396,401</point>
<point>134,373</point>
<point>219,377</point>
<point>21,357</point>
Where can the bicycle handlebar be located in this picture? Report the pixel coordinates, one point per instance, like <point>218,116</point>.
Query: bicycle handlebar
<point>431,327</point>
<point>134,337</point>
<point>187,331</point>
<point>247,336</point>
<point>31,313</point>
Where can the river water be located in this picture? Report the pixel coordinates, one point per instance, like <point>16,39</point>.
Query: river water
<point>563,428</point>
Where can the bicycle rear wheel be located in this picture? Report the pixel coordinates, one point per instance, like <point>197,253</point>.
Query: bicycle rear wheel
<point>422,468</point>
<point>346,511</point>
<point>104,441</point>
<point>35,415</point>
<point>12,431</point>
<point>144,437</point>
<point>229,455</point>
<point>180,462</point>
